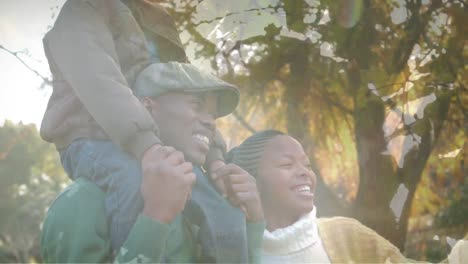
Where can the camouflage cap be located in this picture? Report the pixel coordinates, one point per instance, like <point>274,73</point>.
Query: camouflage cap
<point>159,78</point>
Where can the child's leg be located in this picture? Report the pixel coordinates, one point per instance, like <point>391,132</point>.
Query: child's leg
<point>114,171</point>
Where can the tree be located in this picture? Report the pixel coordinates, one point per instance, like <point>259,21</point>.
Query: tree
<point>375,90</point>
<point>30,178</point>
<point>367,86</point>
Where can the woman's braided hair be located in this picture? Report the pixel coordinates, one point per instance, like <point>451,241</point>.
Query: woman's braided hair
<point>247,155</point>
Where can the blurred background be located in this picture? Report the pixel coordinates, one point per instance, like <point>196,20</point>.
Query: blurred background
<point>376,91</point>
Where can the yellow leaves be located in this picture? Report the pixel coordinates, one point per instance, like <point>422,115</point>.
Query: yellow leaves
<point>10,143</point>
<point>442,177</point>
<point>335,152</point>
<point>274,92</point>
<point>426,201</point>
<point>285,71</point>
<point>451,154</point>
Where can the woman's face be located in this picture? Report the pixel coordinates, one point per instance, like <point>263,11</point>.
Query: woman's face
<point>285,179</point>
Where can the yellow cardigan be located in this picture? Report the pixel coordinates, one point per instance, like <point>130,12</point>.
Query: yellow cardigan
<point>346,240</point>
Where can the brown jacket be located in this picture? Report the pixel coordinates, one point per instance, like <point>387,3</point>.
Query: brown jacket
<point>95,51</point>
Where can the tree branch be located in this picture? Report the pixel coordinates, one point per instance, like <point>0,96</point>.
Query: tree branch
<point>343,108</point>
<point>46,80</point>
<point>244,122</point>
<point>234,13</point>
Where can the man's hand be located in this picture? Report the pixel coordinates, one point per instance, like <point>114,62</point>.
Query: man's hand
<point>167,182</point>
<point>241,189</point>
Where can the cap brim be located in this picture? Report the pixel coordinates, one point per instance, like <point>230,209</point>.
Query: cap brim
<point>160,78</point>
<point>228,99</point>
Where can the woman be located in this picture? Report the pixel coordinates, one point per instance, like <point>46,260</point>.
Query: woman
<point>287,184</point>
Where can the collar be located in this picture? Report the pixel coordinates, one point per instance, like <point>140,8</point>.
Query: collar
<point>301,234</point>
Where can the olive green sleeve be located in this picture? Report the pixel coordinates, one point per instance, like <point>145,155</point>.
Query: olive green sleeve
<point>75,231</point>
<point>254,241</point>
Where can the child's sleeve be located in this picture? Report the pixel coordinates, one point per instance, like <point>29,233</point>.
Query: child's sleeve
<point>254,241</point>
<point>81,46</point>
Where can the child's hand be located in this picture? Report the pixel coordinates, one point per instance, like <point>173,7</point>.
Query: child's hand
<point>217,181</point>
<point>241,190</point>
<point>167,183</point>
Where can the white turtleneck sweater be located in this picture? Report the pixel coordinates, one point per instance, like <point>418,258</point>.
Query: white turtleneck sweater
<point>346,239</point>
<point>297,243</point>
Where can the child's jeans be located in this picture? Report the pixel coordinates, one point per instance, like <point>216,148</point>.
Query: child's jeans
<point>116,173</point>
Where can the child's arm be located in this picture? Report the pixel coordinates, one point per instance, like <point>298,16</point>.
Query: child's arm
<point>81,45</point>
<point>241,189</point>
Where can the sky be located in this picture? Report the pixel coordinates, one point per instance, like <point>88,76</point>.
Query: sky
<point>23,23</point>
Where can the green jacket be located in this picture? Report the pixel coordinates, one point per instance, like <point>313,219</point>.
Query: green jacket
<point>76,230</point>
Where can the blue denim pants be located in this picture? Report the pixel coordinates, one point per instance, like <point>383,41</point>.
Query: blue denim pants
<point>116,173</point>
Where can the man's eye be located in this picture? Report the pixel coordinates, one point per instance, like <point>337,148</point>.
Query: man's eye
<point>285,165</point>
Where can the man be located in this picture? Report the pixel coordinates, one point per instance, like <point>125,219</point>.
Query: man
<point>184,102</point>
<point>95,50</point>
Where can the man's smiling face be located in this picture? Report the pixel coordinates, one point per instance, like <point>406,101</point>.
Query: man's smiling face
<point>186,121</point>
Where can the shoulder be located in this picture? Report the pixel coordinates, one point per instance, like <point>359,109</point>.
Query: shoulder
<point>80,192</point>
<point>75,222</point>
<point>339,220</point>
<point>72,5</point>
<point>345,226</point>
<point>353,240</point>
<point>80,13</point>
<point>79,201</point>
<point>77,7</point>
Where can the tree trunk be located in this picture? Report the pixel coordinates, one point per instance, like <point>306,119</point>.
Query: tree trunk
<point>378,181</point>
